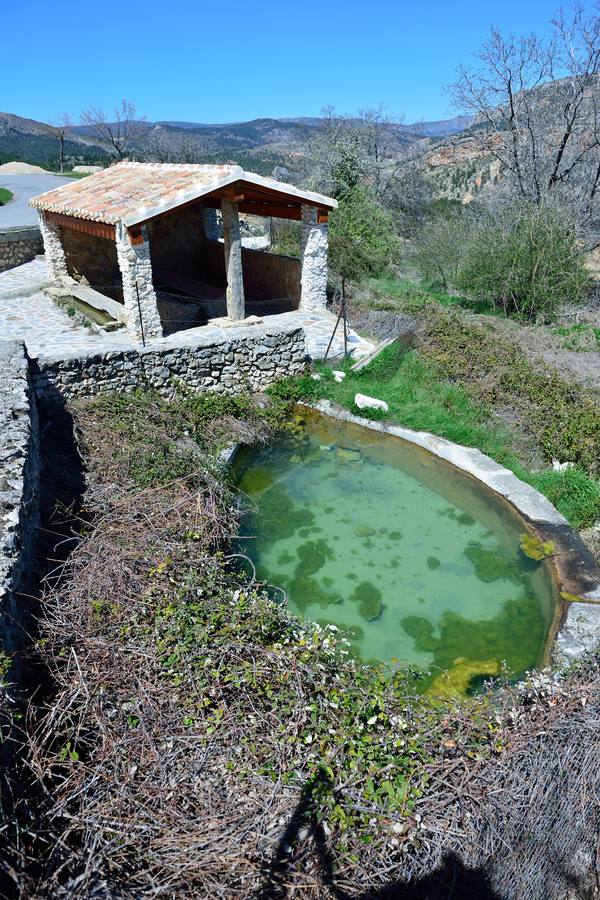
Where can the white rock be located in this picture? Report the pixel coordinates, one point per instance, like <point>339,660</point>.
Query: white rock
<point>364,402</point>
<point>561,467</point>
<point>338,375</point>
<point>316,376</point>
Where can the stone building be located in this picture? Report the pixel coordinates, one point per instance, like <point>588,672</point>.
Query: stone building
<point>164,240</point>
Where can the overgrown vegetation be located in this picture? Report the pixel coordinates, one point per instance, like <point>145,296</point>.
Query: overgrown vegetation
<point>523,259</point>
<point>457,378</point>
<point>202,741</point>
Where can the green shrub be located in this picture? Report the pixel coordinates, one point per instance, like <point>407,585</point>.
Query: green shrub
<point>440,245</point>
<point>286,238</point>
<point>362,237</point>
<point>526,261</point>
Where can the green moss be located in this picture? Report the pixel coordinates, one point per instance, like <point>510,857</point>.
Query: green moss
<point>282,517</point>
<point>395,535</point>
<point>491,565</point>
<point>515,635</point>
<point>457,680</point>
<point>534,548</point>
<point>465,519</point>
<point>433,563</point>
<point>364,531</point>
<point>313,555</point>
<point>368,597</point>
<point>306,591</point>
<point>343,454</point>
<point>571,598</point>
<point>255,480</point>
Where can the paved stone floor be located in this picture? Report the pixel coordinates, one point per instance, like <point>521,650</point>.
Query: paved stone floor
<point>27,314</point>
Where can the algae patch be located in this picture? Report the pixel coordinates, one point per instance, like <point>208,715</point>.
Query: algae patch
<point>459,677</point>
<point>534,548</point>
<point>368,597</point>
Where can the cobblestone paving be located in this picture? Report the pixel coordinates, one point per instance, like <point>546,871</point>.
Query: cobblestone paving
<point>27,314</point>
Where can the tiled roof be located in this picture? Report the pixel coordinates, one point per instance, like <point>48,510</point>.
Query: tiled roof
<point>132,192</point>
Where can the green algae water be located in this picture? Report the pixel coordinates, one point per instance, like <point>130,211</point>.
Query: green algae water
<point>413,560</point>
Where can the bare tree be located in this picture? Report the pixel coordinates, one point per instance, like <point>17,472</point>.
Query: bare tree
<point>538,101</point>
<point>165,146</point>
<point>352,150</point>
<point>59,129</point>
<point>122,132</point>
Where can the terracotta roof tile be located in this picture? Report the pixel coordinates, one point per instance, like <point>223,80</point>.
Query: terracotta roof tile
<point>133,192</point>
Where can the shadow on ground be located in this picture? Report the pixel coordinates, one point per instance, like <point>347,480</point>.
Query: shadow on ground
<point>453,881</point>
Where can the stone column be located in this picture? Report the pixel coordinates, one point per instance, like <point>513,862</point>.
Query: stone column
<point>136,269</point>
<point>313,294</point>
<point>233,260</point>
<point>56,260</point>
<point>212,225</point>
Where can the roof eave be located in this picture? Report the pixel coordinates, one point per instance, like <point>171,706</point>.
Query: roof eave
<point>140,217</point>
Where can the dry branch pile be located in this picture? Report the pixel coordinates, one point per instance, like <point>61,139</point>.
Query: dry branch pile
<point>201,742</point>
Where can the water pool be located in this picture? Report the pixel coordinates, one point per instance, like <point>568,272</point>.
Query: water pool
<point>413,559</point>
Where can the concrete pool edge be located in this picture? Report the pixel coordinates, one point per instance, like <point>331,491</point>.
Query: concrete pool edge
<point>575,570</point>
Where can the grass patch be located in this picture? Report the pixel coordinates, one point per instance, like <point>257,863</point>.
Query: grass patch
<point>5,196</point>
<point>580,337</point>
<point>416,296</point>
<point>420,398</point>
<point>72,174</point>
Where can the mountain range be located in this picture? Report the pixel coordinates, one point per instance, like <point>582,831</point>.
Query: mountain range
<point>263,143</point>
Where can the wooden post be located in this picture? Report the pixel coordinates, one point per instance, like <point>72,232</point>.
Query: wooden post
<point>233,260</point>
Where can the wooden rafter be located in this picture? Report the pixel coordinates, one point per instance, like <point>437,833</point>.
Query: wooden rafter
<point>86,226</point>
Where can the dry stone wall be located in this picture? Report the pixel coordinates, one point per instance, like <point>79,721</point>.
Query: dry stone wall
<point>19,479</point>
<point>18,246</point>
<point>231,362</point>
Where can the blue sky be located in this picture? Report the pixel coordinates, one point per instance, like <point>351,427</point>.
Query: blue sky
<point>230,61</point>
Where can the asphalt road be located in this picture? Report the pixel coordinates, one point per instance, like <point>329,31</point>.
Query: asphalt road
<point>24,187</point>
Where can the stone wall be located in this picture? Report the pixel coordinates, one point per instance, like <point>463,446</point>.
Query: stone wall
<point>267,276</point>
<point>244,357</point>
<point>19,478</point>
<point>93,260</point>
<point>176,242</point>
<point>18,246</point>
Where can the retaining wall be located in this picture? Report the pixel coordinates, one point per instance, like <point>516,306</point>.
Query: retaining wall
<point>19,477</point>
<point>18,246</point>
<point>229,363</point>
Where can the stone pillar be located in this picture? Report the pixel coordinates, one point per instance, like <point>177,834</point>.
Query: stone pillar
<point>212,223</point>
<point>56,260</point>
<point>233,260</point>
<point>313,294</point>
<point>136,269</point>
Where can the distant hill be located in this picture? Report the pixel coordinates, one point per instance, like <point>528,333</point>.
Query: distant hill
<point>441,128</point>
<point>260,144</point>
<point>26,140</point>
